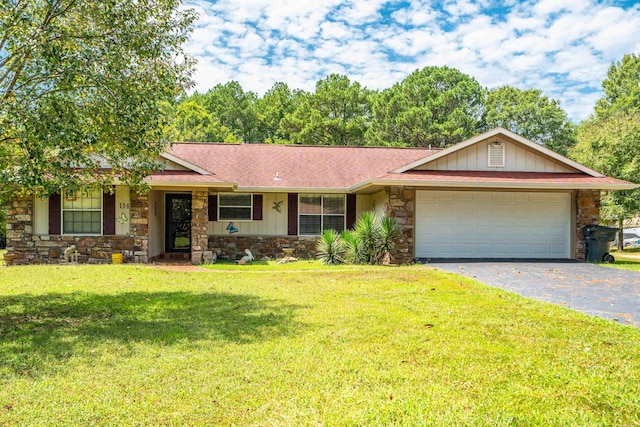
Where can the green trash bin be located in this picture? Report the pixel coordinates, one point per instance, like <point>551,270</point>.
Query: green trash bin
<point>598,240</point>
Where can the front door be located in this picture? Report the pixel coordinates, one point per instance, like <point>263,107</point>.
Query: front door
<point>178,223</point>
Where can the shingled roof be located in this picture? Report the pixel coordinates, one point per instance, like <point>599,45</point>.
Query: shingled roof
<point>273,167</point>
<point>254,166</point>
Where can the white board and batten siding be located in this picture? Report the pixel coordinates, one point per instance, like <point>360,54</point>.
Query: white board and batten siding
<point>486,224</point>
<point>518,158</point>
<point>273,223</point>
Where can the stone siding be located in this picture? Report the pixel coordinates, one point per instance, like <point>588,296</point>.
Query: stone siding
<point>199,226</point>
<point>23,247</point>
<point>587,212</point>
<point>401,207</point>
<point>232,247</point>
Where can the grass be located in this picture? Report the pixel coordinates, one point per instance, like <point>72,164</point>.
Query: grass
<point>629,259</point>
<point>134,345</point>
<point>2,252</point>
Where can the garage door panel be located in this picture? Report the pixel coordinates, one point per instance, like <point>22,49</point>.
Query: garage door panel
<point>467,224</point>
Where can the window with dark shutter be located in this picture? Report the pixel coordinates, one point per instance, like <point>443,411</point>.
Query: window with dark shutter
<point>351,211</point>
<point>213,207</point>
<point>55,217</point>
<point>257,207</point>
<point>109,214</point>
<point>292,214</point>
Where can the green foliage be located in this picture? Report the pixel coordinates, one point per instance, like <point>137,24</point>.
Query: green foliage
<point>188,121</point>
<point>436,106</point>
<point>354,252</point>
<point>612,146</point>
<point>80,84</point>
<point>609,141</point>
<point>276,103</point>
<point>367,231</point>
<point>330,248</point>
<point>370,242</point>
<point>531,115</point>
<point>621,88</point>
<point>337,113</point>
<point>233,108</point>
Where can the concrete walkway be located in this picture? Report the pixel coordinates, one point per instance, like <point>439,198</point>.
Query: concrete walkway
<point>591,289</point>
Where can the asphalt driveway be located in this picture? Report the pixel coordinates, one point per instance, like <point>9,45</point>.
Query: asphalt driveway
<point>591,289</point>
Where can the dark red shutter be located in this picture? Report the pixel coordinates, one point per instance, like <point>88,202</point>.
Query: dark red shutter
<point>55,214</point>
<point>351,210</point>
<point>292,209</point>
<point>108,214</point>
<point>213,207</point>
<point>257,207</point>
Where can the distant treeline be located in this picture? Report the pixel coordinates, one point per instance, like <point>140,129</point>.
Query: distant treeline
<point>435,106</point>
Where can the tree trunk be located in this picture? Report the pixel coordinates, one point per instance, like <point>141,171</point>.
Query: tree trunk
<point>620,235</point>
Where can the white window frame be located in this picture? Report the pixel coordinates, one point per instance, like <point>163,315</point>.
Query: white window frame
<point>322,214</point>
<point>63,210</point>
<point>250,207</point>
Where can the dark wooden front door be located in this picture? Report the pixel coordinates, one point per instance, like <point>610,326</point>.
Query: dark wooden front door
<point>178,223</point>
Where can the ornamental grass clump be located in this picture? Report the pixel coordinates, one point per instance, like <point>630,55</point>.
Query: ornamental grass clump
<point>370,242</point>
<point>330,248</point>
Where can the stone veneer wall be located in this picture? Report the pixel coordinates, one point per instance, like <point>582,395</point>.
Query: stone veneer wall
<point>23,247</point>
<point>587,212</point>
<point>401,206</point>
<point>232,247</point>
<point>199,226</point>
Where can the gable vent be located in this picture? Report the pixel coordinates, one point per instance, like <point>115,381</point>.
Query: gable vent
<point>496,154</point>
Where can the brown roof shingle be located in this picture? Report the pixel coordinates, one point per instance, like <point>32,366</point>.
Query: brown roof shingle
<point>322,167</point>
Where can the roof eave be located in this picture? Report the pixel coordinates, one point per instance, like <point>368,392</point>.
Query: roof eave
<point>185,163</point>
<point>494,185</point>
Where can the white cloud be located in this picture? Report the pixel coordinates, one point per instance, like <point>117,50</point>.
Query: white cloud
<point>562,47</point>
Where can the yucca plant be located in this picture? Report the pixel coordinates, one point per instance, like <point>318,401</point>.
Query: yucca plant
<point>353,248</point>
<point>370,242</point>
<point>388,234</point>
<point>330,248</point>
<point>367,230</point>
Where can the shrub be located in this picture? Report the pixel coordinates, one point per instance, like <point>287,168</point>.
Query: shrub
<point>370,242</point>
<point>330,248</point>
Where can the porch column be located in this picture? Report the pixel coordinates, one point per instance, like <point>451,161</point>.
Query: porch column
<point>20,246</point>
<point>199,226</point>
<point>401,207</point>
<point>587,212</point>
<point>139,226</point>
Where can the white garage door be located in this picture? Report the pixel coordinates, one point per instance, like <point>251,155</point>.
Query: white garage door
<point>476,224</point>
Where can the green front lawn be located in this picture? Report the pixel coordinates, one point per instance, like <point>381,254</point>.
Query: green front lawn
<point>135,345</point>
<point>629,259</point>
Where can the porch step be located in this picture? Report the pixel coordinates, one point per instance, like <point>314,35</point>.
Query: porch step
<point>174,256</point>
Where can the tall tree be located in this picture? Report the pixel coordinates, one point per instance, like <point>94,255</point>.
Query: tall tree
<point>337,113</point>
<point>276,103</point>
<point>531,114</point>
<point>621,88</point>
<point>612,146</point>
<point>80,84</point>
<point>188,121</point>
<point>234,108</point>
<point>434,106</point>
<point>609,141</point>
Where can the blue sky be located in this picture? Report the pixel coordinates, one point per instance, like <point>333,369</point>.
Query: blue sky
<point>563,47</point>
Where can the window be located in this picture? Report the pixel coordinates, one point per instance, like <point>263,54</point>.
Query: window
<point>318,213</point>
<point>82,213</point>
<point>235,207</point>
